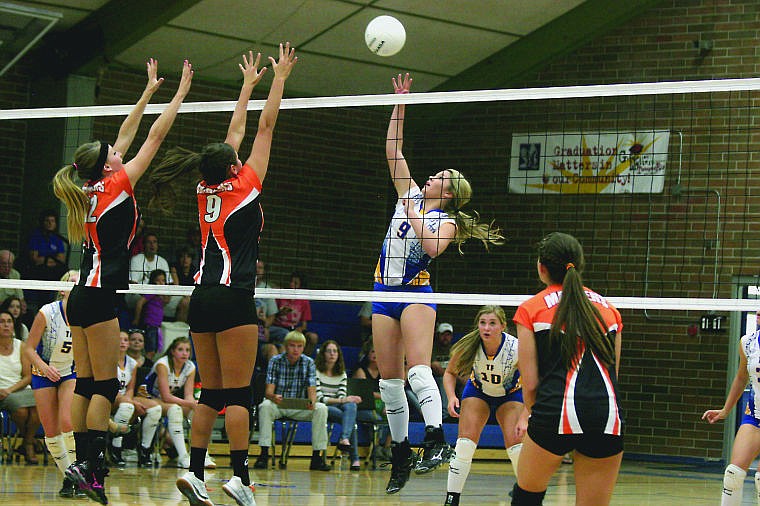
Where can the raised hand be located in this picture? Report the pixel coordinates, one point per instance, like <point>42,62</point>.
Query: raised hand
<point>153,82</point>
<point>402,85</point>
<point>251,75</point>
<point>187,78</point>
<point>285,63</point>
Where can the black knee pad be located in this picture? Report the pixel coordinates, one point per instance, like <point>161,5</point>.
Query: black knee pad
<point>522,497</point>
<point>84,387</point>
<point>213,398</point>
<point>106,388</point>
<point>238,396</point>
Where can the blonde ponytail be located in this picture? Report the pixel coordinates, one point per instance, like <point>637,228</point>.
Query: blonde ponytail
<point>468,225</point>
<point>75,200</point>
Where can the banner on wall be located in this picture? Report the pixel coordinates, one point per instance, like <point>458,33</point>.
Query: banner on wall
<point>589,162</point>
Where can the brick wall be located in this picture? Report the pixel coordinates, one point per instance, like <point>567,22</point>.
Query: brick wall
<point>327,197</point>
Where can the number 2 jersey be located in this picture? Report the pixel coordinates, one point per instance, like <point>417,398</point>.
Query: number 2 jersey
<point>402,259</point>
<point>580,399</point>
<point>110,228</point>
<point>55,344</point>
<point>497,375</point>
<point>231,220</point>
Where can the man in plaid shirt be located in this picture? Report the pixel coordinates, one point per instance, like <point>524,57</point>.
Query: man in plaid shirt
<point>292,375</point>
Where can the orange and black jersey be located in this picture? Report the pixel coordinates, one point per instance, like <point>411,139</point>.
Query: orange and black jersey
<point>110,228</point>
<point>231,221</point>
<point>583,398</point>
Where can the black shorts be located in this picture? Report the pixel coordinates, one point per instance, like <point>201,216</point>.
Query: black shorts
<point>596,445</point>
<point>89,305</point>
<point>218,307</point>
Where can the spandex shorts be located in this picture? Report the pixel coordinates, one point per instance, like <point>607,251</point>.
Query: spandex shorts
<point>596,445</point>
<point>217,308</point>
<point>43,382</point>
<point>88,306</point>
<point>470,390</point>
<point>394,309</point>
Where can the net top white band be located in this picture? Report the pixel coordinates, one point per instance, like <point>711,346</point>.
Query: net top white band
<point>469,299</point>
<point>601,90</point>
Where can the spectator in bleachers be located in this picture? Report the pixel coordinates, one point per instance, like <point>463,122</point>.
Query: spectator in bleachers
<point>368,370</point>
<point>149,315</point>
<point>14,306</point>
<point>332,383</point>
<point>16,396</point>
<point>136,348</point>
<point>183,270</point>
<point>292,375</point>
<point>140,267</point>
<point>47,248</point>
<point>365,320</point>
<point>127,407</point>
<point>7,258</point>
<point>440,359</point>
<point>193,244</point>
<point>266,309</point>
<point>137,246</point>
<point>293,314</point>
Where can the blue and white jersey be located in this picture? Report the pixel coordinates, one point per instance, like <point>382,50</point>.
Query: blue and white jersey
<point>751,346</point>
<point>497,375</point>
<point>55,344</point>
<point>125,375</point>
<point>176,381</point>
<point>402,259</point>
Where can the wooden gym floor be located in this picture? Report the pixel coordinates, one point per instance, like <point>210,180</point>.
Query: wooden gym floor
<point>639,484</point>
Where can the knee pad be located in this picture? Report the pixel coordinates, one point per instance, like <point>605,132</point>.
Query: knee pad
<point>84,387</point>
<point>421,380</point>
<point>124,413</point>
<point>757,486</point>
<point>522,497</point>
<point>153,414</point>
<point>238,396</point>
<point>392,393</point>
<point>106,388</point>
<point>212,397</point>
<point>174,418</point>
<point>733,479</point>
<point>465,449</point>
<point>514,455</point>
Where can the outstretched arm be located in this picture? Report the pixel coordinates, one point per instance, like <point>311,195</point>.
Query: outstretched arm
<point>129,127</point>
<point>251,77</point>
<point>394,140</point>
<point>737,388</point>
<point>137,166</point>
<point>262,145</point>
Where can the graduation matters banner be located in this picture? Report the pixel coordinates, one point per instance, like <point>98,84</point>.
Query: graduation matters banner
<point>589,162</point>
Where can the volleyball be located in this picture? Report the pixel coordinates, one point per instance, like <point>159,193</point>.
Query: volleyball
<point>385,35</point>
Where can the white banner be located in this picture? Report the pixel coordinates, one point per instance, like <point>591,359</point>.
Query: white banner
<point>589,162</point>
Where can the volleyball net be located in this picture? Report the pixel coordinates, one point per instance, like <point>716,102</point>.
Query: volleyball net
<point>654,179</point>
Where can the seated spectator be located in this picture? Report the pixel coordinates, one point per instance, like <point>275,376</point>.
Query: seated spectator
<point>16,395</point>
<point>293,314</point>
<point>266,309</point>
<point>46,244</point>
<point>136,349</point>
<point>7,258</point>
<point>440,359</point>
<point>171,382</point>
<point>140,267</point>
<point>193,244</point>
<point>137,246</point>
<point>292,375</point>
<point>365,320</point>
<point>183,270</point>
<point>149,315</point>
<point>368,369</point>
<point>332,383</point>
<point>127,407</point>
<point>14,306</point>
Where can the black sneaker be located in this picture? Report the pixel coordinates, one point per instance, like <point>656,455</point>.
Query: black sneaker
<point>90,481</point>
<point>435,452</point>
<point>144,457</point>
<point>319,464</point>
<point>262,462</point>
<point>402,462</point>
<point>114,456</point>
<point>68,490</point>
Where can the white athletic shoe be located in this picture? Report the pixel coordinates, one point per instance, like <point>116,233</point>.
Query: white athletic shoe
<point>209,463</point>
<point>194,489</point>
<point>184,461</point>
<point>243,495</point>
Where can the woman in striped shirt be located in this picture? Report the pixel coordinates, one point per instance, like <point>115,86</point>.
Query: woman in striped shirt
<point>332,382</point>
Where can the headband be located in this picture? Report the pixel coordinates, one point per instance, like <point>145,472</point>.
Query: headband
<point>97,170</point>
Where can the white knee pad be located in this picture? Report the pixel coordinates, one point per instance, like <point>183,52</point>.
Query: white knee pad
<point>392,393</point>
<point>733,482</point>
<point>757,486</point>
<point>174,418</point>
<point>514,455</point>
<point>153,414</point>
<point>465,449</point>
<point>149,425</point>
<point>422,381</point>
<point>124,413</point>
